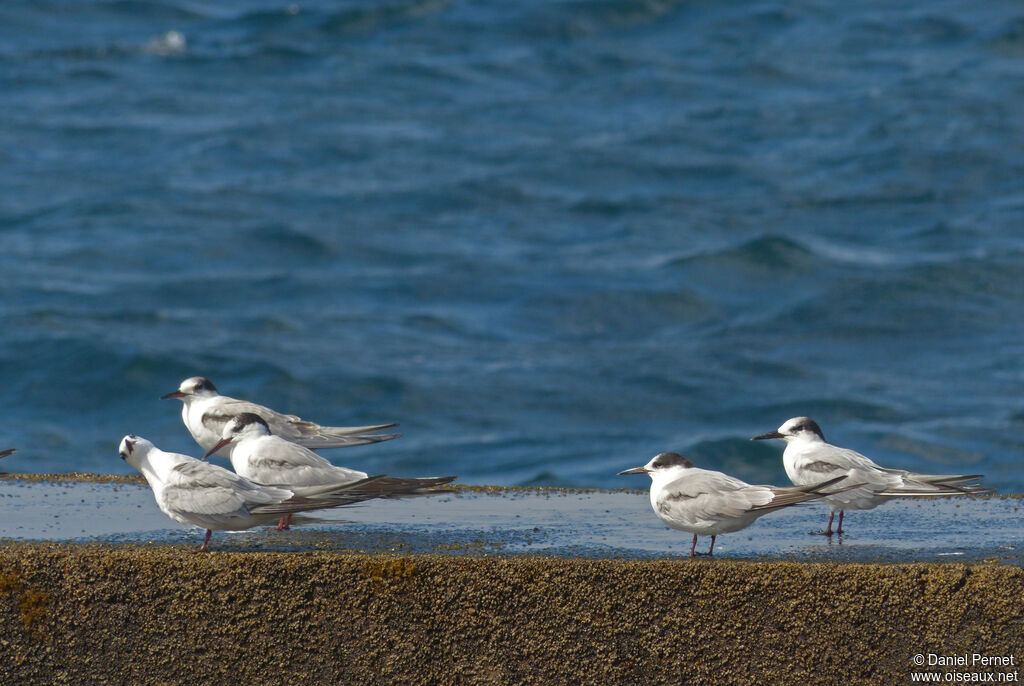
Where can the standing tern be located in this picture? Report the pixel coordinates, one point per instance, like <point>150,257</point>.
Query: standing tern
<point>705,502</point>
<point>205,412</point>
<point>212,498</point>
<point>808,457</point>
<point>260,456</point>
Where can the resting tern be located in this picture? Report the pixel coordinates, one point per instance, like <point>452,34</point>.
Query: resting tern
<point>808,458</point>
<point>212,498</point>
<point>205,411</point>
<point>705,502</point>
<point>260,456</point>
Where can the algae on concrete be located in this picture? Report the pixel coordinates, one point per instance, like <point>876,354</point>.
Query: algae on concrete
<point>155,614</point>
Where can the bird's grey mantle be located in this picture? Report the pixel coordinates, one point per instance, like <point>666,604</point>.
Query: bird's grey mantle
<point>496,521</point>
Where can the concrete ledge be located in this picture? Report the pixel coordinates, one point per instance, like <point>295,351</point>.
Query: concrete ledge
<point>96,614</point>
<point>571,523</point>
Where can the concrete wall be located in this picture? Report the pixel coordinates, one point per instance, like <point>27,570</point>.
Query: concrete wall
<point>157,615</point>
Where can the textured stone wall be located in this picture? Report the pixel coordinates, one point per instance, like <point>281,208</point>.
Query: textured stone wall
<point>157,615</point>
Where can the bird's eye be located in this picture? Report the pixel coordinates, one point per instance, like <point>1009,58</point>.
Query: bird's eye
<point>124,455</point>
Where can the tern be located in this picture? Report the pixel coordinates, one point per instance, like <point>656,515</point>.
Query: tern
<point>704,502</point>
<point>205,412</point>
<point>808,457</point>
<point>260,456</point>
<point>207,496</point>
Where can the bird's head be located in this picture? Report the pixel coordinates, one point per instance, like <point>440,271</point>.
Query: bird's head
<point>192,386</point>
<point>238,427</point>
<point>797,428</point>
<point>661,464</point>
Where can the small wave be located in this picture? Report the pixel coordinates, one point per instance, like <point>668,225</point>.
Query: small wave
<point>829,413</point>
<point>436,325</point>
<point>630,314</point>
<point>155,11</point>
<point>288,242</point>
<point>546,478</point>
<point>577,20</point>
<point>167,44</point>
<point>929,453</point>
<point>921,299</point>
<point>752,461</point>
<point>1010,41</point>
<point>366,19</point>
<point>769,253</point>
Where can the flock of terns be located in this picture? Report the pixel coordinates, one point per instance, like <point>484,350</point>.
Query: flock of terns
<point>276,473</point>
<point>711,503</point>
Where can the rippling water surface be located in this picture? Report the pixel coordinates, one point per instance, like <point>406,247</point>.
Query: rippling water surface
<point>549,238</point>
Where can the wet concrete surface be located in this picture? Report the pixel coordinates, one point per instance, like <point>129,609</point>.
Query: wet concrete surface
<point>497,586</point>
<point>556,522</point>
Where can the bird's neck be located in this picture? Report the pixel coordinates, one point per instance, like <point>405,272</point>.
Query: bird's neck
<point>663,477</point>
<point>152,474</point>
<point>802,443</point>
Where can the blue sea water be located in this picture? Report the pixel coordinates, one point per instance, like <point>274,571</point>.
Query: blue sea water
<point>551,238</point>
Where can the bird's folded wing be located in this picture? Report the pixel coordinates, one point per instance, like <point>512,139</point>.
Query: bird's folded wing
<point>216,417</point>
<point>212,502</point>
<point>326,439</point>
<point>832,462</point>
<point>314,436</point>
<point>397,487</point>
<point>294,428</point>
<point>784,496</point>
<point>309,428</point>
<point>275,450</point>
<point>910,484</point>
<point>277,461</point>
<point>203,488</point>
<point>842,458</point>
<point>301,504</point>
<point>823,468</point>
<point>710,496</point>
